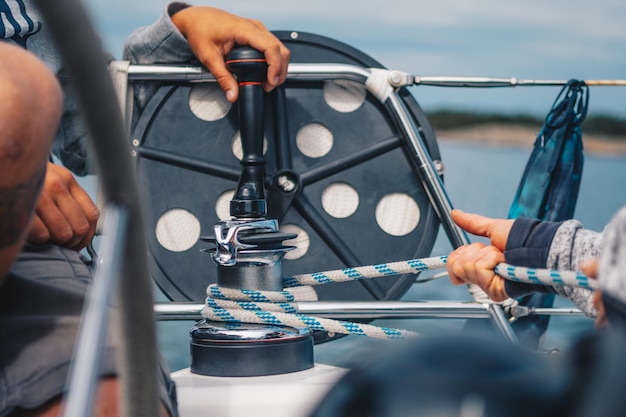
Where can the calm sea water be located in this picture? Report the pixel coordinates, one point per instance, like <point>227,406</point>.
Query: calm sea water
<point>482,179</point>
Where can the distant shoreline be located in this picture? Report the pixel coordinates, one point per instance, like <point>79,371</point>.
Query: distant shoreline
<point>524,137</point>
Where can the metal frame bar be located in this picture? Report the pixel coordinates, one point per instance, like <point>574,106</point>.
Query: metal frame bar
<point>351,310</point>
<point>488,82</point>
<point>482,82</point>
<point>95,318</point>
<point>325,71</point>
<point>172,311</point>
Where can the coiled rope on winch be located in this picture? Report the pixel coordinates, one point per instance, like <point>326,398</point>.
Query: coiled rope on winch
<point>280,308</point>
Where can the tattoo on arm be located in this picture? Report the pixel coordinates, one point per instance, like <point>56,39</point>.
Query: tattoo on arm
<point>17,204</point>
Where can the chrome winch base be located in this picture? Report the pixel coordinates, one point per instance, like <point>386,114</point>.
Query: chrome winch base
<point>245,350</point>
<point>235,349</point>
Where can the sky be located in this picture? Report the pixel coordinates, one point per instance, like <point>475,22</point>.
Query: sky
<point>531,39</point>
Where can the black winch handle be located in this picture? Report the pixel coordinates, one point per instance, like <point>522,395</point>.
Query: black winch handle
<point>250,68</point>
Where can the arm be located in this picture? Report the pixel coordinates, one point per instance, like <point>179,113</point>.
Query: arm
<point>64,213</point>
<point>553,245</point>
<point>184,33</point>
<point>26,87</point>
<point>523,242</point>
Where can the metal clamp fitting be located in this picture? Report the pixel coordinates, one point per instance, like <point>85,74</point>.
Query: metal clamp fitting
<point>227,238</point>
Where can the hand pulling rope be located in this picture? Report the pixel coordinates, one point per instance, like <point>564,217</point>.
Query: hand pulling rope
<point>280,308</point>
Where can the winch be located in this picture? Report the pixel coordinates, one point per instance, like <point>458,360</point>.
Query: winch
<point>249,251</point>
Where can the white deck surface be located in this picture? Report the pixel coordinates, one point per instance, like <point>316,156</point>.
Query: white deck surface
<point>288,395</point>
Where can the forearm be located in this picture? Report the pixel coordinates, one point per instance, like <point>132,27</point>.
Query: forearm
<point>27,88</point>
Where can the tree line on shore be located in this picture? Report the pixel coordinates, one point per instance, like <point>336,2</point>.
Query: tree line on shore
<point>598,124</point>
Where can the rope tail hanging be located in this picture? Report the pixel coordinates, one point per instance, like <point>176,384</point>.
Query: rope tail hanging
<point>280,308</point>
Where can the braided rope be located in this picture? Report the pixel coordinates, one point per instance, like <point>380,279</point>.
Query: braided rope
<point>506,271</point>
<point>299,321</point>
<point>364,272</point>
<point>280,308</point>
<point>277,308</point>
<point>545,276</point>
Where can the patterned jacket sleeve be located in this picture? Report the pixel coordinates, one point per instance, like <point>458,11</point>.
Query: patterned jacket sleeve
<point>571,246</point>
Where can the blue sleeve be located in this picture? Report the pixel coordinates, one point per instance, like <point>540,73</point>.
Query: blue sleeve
<point>529,242</point>
<point>528,245</point>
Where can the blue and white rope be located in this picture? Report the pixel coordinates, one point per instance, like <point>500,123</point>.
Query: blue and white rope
<point>514,273</point>
<point>280,308</point>
<point>365,272</point>
<point>545,276</point>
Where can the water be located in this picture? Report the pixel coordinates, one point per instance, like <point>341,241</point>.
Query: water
<point>483,179</point>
